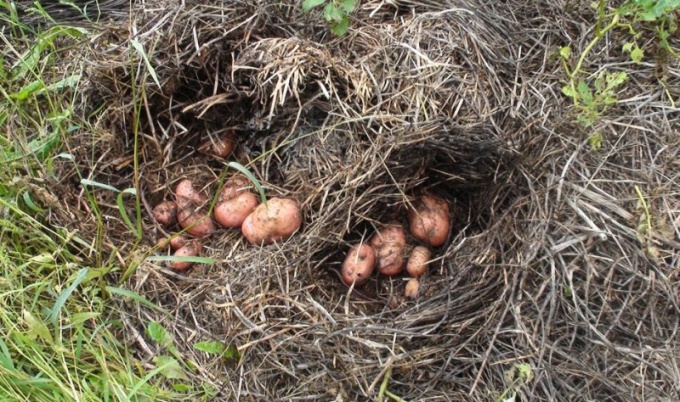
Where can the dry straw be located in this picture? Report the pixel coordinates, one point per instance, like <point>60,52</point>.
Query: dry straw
<point>546,266</point>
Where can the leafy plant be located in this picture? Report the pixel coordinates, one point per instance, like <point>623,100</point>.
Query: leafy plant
<point>336,12</point>
<point>228,352</point>
<point>592,95</point>
<point>518,375</point>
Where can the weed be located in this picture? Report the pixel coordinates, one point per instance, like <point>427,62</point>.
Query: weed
<point>335,12</point>
<point>593,94</point>
<point>518,375</point>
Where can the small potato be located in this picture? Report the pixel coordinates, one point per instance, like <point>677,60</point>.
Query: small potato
<point>390,245</point>
<point>417,262</point>
<point>196,223</point>
<point>429,221</point>
<point>412,288</point>
<point>174,243</point>
<point>275,221</point>
<point>232,212</point>
<point>165,213</point>
<point>358,265</point>
<point>178,242</point>
<point>191,249</point>
<point>220,147</point>
<point>186,194</point>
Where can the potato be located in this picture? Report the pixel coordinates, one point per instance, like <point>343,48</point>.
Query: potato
<point>165,213</point>
<point>191,249</point>
<point>178,242</point>
<point>196,223</point>
<point>175,242</point>
<point>358,265</point>
<point>390,244</point>
<point>186,194</point>
<point>412,287</point>
<point>221,147</point>
<point>233,187</point>
<point>232,212</point>
<point>417,262</point>
<point>275,221</point>
<point>429,221</point>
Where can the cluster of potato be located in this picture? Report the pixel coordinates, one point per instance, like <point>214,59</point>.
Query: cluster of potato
<point>237,207</point>
<point>388,249</point>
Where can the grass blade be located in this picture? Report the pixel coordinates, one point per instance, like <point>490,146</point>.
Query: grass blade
<point>123,212</point>
<point>134,296</point>
<point>140,49</point>
<point>196,259</point>
<point>63,296</point>
<point>92,183</point>
<point>250,177</point>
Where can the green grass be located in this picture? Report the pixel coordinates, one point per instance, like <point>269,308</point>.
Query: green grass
<point>60,333</point>
<point>58,338</point>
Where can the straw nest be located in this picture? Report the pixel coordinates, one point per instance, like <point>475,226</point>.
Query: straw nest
<point>550,263</point>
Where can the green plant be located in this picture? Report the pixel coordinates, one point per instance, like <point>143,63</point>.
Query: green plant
<point>336,13</point>
<point>592,94</point>
<point>60,331</point>
<point>518,375</point>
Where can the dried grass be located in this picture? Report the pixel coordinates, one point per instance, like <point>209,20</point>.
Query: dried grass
<point>546,266</point>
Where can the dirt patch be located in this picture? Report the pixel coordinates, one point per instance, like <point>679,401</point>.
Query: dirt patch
<point>546,265</point>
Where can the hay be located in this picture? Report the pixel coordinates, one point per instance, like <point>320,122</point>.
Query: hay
<point>547,265</point>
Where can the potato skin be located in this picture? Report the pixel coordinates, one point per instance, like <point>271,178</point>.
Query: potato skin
<point>390,244</point>
<point>186,194</point>
<point>412,287</point>
<point>417,262</point>
<point>234,186</point>
<point>275,221</point>
<point>221,147</point>
<point>178,242</point>
<point>192,249</point>
<point>358,265</point>
<point>165,213</point>
<point>196,223</point>
<point>429,222</point>
<point>232,212</point>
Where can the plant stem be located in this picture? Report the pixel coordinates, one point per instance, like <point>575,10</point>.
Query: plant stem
<point>600,15</point>
<point>383,386</point>
<point>394,397</point>
<point>592,44</point>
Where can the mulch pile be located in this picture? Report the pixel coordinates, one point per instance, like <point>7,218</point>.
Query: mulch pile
<point>557,264</point>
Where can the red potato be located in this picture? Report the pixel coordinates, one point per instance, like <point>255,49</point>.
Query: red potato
<point>221,147</point>
<point>233,187</point>
<point>358,265</point>
<point>191,249</point>
<point>234,211</point>
<point>390,245</point>
<point>418,261</point>
<point>412,288</point>
<point>196,223</point>
<point>429,221</point>
<point>174,243</point>
<point>178,242</point>
<point>186,194</point>
<point>275,221</point>
<point>165,213</point>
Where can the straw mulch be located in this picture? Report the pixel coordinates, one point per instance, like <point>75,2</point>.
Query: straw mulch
<point>552,263</point>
